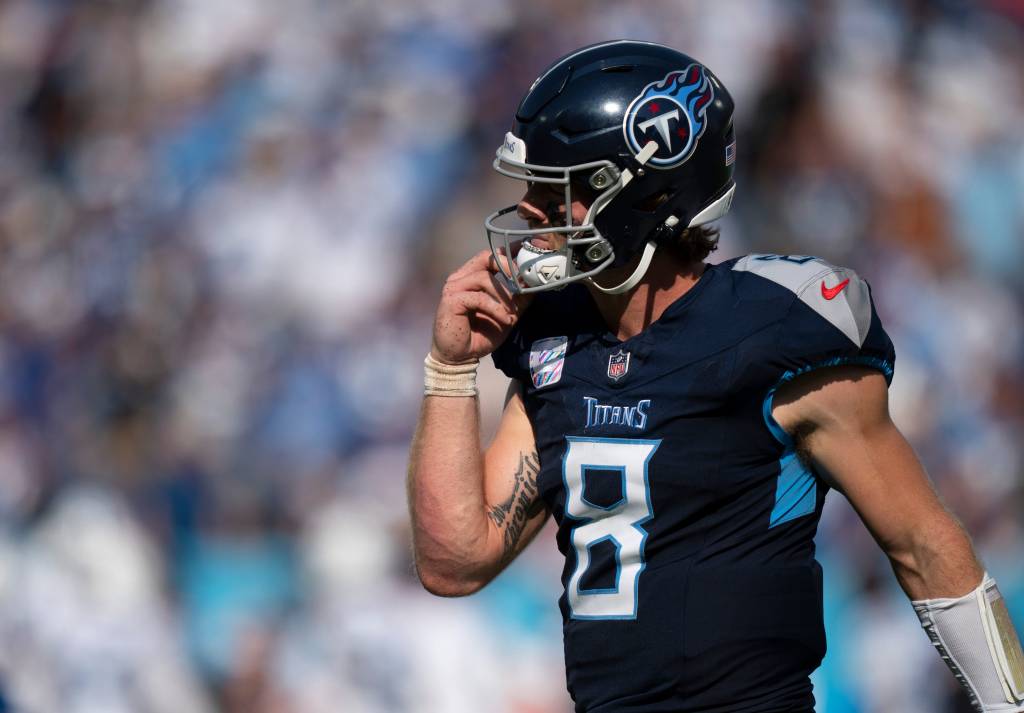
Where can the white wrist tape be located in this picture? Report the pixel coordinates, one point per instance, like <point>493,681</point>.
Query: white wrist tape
<point>976,639</point>
<point>440,379</point>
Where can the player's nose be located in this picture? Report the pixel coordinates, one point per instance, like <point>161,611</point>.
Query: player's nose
<point>532,207</point>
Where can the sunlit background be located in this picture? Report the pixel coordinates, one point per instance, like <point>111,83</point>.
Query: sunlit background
<point>224,225</point>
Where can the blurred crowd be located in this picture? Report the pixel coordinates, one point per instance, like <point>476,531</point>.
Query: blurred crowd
<point>223,228</point>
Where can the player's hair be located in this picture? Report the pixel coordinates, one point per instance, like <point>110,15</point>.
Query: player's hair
<point>694,244</point>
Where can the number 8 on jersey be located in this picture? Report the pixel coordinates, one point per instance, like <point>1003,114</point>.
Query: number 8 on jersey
<point>620,523</point>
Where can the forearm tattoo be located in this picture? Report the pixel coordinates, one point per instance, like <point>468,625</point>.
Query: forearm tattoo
<point>511,515</point>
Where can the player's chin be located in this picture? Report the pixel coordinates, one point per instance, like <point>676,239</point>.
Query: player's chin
<point>611,276</point>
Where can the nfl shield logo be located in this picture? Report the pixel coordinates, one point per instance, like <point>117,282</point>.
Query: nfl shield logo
<point>547,356</point>
<point>618,365</point>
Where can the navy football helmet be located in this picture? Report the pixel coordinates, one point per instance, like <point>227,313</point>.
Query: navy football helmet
<point>643,130</point>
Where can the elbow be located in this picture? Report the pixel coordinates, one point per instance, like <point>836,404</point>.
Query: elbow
<point>446,587</point>
<point>452,567</point>
<point>448,584</point>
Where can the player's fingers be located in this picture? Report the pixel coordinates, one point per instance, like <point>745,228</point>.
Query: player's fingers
<point>493,262</point>
<point>476,263</point>
<point>482,282</point>
<point>499,267</point>
<point>519,299</point>
<point>522,301</point>
<point>486,305</point>
<point>503,277</point>
<point>499,262</point>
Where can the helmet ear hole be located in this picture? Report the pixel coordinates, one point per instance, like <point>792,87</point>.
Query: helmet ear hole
<point>651,202</point>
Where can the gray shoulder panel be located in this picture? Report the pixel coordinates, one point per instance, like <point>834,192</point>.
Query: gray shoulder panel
<point>836,293</point>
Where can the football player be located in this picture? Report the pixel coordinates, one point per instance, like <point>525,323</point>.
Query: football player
<point>682,421</point>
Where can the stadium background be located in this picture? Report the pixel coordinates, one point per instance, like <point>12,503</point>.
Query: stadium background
<point>223,228</point>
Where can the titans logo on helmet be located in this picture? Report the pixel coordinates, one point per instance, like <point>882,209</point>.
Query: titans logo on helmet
<point>671,113</point>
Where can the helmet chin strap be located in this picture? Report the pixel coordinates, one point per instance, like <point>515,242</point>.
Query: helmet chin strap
<point>630,282</point>
<point>641,268</point>
<point>649,149</point>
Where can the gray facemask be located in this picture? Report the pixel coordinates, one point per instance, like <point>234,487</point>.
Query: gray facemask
<point>585,253</point>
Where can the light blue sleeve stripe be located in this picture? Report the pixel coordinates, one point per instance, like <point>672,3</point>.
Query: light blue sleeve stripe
<point>796,490</point>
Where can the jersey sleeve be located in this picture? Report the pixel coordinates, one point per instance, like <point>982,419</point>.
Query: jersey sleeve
<point>831,319</point>
<point>829,328</point>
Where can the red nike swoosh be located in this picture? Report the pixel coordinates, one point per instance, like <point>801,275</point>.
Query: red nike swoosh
<point>830,293</point>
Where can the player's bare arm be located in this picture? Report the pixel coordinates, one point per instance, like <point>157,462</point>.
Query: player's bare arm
<point>522,505</point>
<point>840,420</point>
<point>472,511</point>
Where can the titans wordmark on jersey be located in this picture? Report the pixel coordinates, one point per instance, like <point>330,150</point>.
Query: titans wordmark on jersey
<point>685,517</point>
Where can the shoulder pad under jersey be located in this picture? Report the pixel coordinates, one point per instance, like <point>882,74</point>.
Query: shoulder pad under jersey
<point>832,319</point>
<point>837,294</point>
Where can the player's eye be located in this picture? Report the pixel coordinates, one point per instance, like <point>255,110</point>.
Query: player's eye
<point>582,191</point>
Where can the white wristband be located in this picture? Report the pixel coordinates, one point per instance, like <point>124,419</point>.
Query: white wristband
<point>977,640</point>
<point>440,379</point>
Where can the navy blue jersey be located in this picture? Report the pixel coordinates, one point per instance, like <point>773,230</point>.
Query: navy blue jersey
<point>685,517</point>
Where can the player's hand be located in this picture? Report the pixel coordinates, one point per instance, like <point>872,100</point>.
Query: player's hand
<point>476,312</point>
